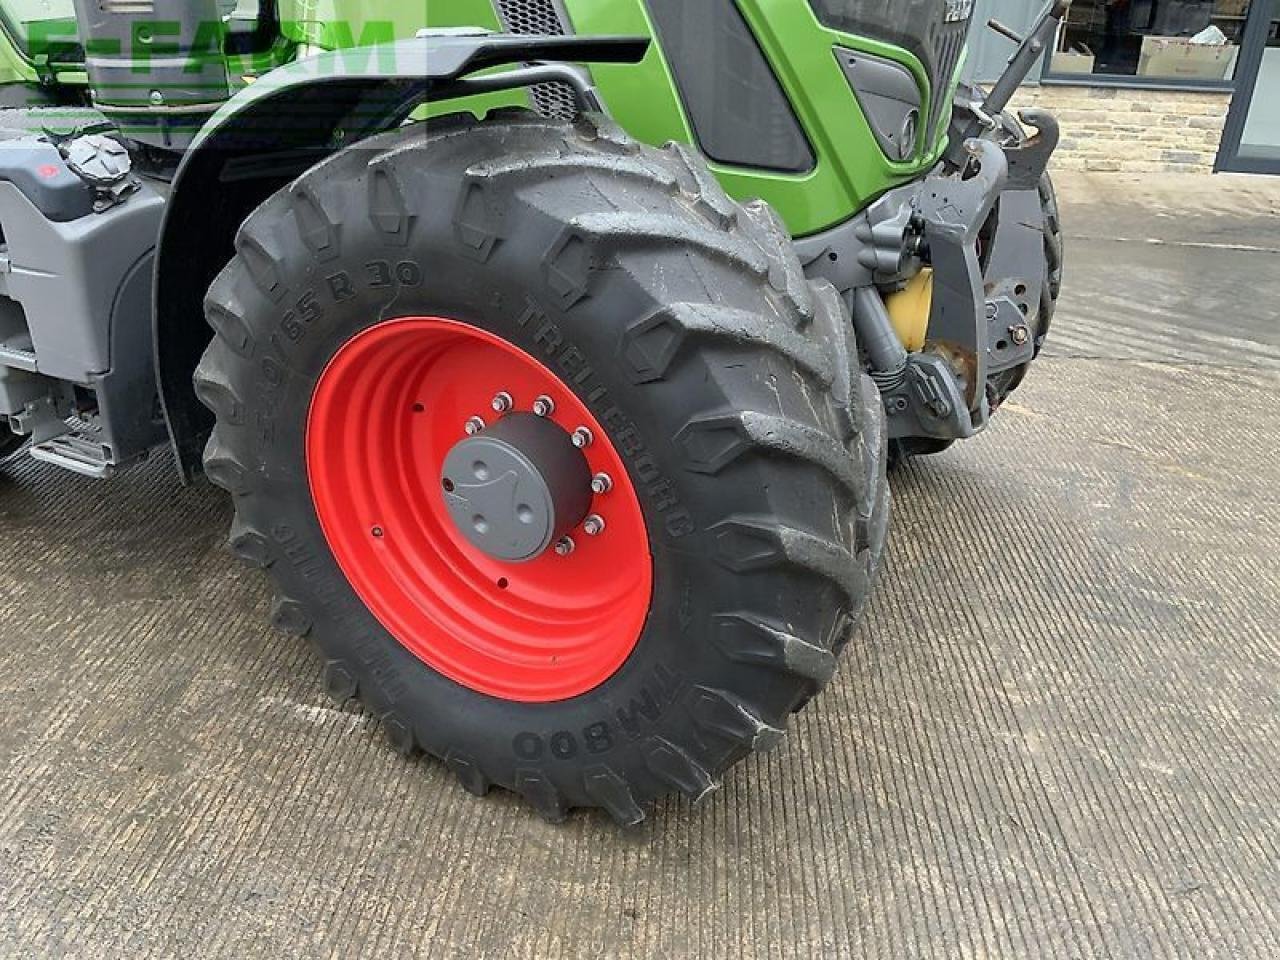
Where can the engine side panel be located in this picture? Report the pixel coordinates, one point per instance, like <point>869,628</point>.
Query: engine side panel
<point>850,167</point>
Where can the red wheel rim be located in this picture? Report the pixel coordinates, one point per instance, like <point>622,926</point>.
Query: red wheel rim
<point>386,411</point>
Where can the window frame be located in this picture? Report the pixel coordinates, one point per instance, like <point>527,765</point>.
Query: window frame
<point>1229,158</point>
<point>1134,82</point>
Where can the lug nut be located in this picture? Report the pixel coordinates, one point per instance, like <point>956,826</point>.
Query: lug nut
<point>582,438</point>
<point>564,546</point>
<point>601,483</point>
<point>474,426</point>
<point>502,402</point>
<point>1020,334</point>
<point>544,406</point>
<point>593,526</point>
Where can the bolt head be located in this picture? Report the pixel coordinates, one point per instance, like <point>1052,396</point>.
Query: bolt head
<point>544,406</point>
<point>502,402</point>
<point>582,438</point>
<point>601,483</point>
<point>564,546</point>
<point>474,426</point>
<point>593,526</point>
<point>1020,334</point>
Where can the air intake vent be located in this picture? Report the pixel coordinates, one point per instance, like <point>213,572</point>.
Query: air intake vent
<point>541,18</point>
<point>948,41</point>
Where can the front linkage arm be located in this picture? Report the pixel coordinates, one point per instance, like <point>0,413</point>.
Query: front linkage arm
<point>950,214</point>
<point>977,323</point>
<point>940,392</point>
<point>984,117</point>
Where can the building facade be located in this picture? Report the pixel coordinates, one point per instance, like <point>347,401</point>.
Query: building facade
<point>1153,85</point>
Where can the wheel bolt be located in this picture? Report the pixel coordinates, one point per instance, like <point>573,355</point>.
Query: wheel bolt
<point>474,426</point>
<point>582,438</point>
<point>502,402</point>
<point>544,406</point>
<point>564,546</point>
<point>601,483</point>
<point>593,526</point>
<point>1020,334</point>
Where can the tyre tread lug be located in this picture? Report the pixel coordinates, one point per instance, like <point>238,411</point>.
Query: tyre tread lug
<point>541,793</point>
<point>723,715</point>
<point>677,769</point>
<point>745,638</point>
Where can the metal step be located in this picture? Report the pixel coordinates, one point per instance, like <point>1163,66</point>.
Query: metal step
<point>77,454</point>
<point>17,358</point>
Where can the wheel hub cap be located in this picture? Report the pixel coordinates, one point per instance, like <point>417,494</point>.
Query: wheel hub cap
<point>517,488</point>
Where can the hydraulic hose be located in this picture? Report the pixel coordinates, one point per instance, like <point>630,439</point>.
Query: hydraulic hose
<point>885,352</point>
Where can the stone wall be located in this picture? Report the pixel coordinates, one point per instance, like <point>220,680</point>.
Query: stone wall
<point>1140,131</point>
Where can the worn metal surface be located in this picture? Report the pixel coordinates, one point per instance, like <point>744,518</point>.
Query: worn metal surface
<point>1057,734</point>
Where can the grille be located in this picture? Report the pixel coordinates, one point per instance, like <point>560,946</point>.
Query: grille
<point>947,41</point>
<point>539,17</point>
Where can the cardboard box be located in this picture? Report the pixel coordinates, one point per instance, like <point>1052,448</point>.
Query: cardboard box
<point>1071,63</point>
<point>1174,58</point>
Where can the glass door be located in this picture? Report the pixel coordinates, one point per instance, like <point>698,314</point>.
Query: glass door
<point>1251,141</point>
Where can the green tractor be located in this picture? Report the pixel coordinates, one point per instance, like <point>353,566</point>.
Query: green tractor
<point>552,351</point>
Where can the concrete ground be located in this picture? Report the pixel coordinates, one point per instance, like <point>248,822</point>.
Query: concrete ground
<point>1056,735</point>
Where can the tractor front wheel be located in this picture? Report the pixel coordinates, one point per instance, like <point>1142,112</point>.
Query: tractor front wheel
<point>551,449</point>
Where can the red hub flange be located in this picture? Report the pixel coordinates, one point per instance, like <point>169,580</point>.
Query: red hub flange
<point>387,410</point>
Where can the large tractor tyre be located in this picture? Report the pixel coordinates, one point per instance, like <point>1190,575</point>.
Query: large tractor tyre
<point>549,446</point>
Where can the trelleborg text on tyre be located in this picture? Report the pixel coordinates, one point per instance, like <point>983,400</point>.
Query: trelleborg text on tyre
<point>571,476</point>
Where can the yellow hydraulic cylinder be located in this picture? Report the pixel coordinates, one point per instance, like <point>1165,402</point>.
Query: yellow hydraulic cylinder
<point>909,310</point>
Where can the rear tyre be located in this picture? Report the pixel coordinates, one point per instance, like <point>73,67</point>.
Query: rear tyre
<point>624,283</point>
